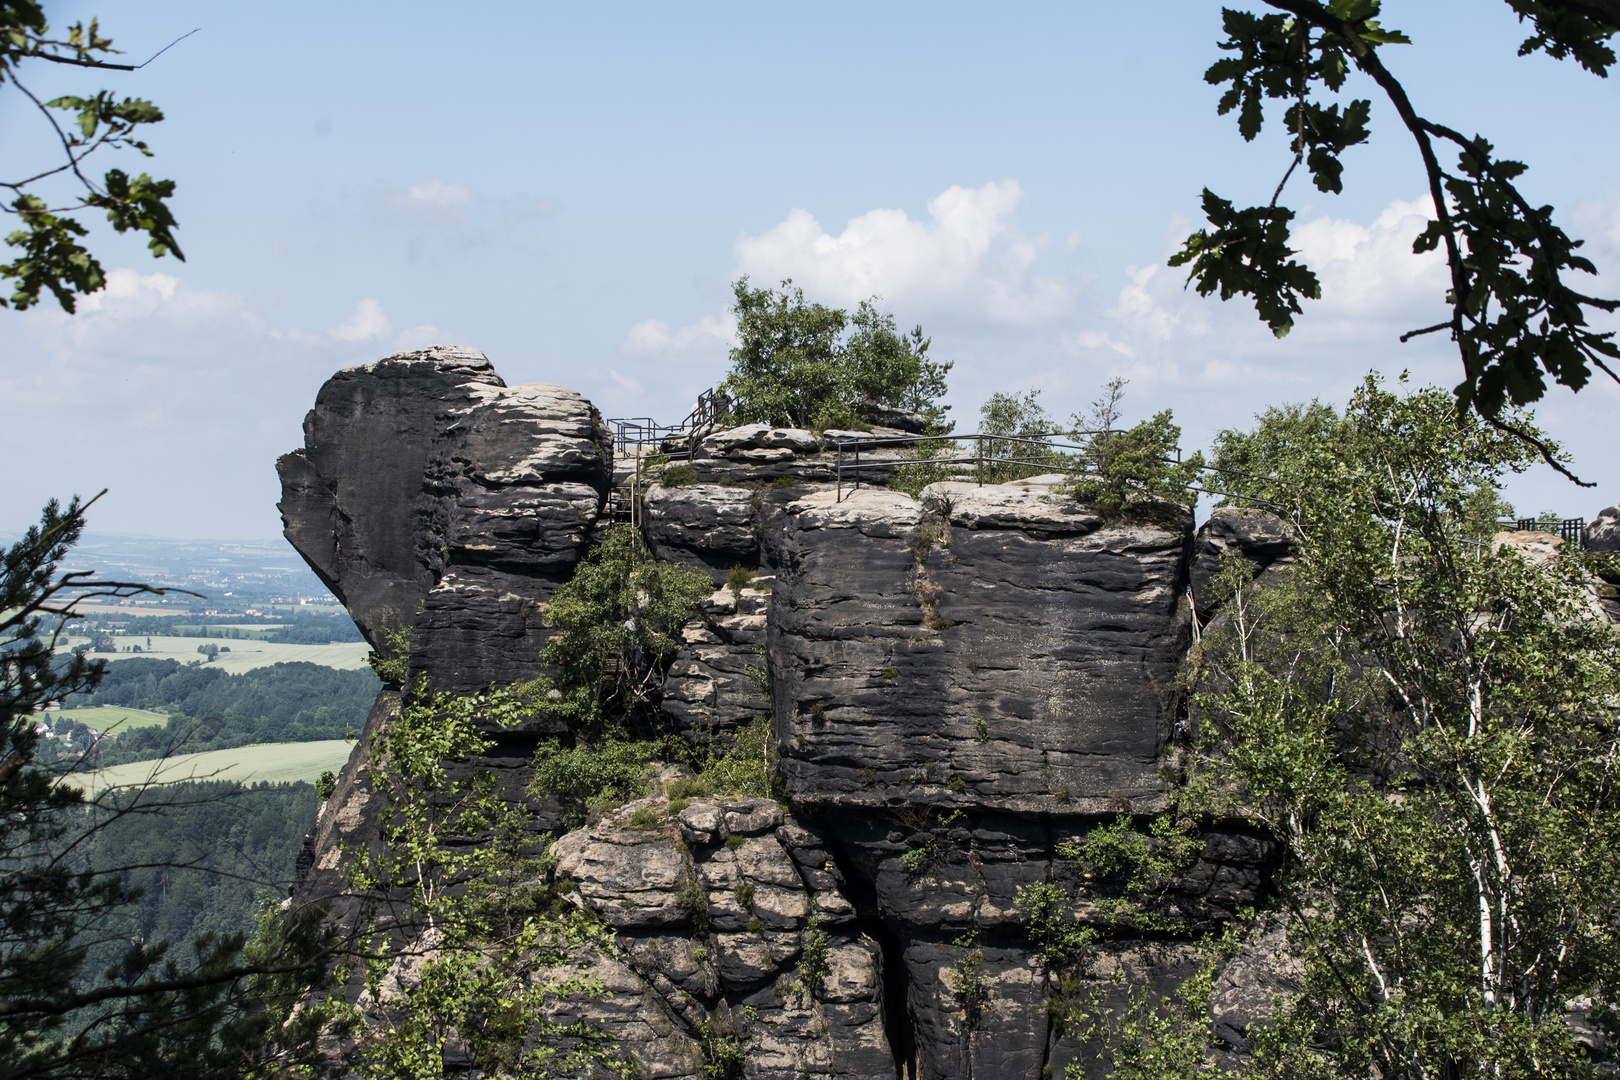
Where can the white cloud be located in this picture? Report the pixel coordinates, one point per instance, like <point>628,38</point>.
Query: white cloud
<point>626,383</point>
<point>365,323</point>
<point>468,215</point>
<point>1373,289</point>
<point>435,192</point>
<point>1369,272</point>
<point>969,258</point>
<point>708,337</point>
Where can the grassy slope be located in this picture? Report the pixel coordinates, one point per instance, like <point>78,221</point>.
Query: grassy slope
<point>110,717</point>
<point>276,762</point>
<point>245,655</point>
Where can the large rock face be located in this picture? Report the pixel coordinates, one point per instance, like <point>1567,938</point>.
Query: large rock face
<point>956,686</point>
<point>960,684</point>
<point>1002,653</point>
<point>431,496</point>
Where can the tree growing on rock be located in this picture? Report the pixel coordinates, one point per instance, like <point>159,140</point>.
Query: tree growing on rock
<point>802,364</point>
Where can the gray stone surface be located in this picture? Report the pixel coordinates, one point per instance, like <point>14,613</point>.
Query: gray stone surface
<point>429,494</point>
<point>350,497</point>
<point>710,928</point>
<point>1261,538</point>
<point>713,685</point>
<point>1602,533</point>
<point>972,664</point>
<point>704,525</point>
<point>957,685</point>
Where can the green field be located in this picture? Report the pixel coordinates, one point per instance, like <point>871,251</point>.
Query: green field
<point>270,762</point>
<point>245,655</point>
<point>109,717</point>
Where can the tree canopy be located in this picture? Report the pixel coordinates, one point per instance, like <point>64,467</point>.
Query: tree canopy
<point>1425,726</point>
<point>802,364</point>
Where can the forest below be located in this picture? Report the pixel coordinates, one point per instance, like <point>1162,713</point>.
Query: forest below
<point>194,859</point>
<point>210,709</point>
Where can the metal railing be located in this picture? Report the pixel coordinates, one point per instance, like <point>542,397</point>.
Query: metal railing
<point>711,406</point>
<point>643,432</point>
<point>990,456</point>
<point>1566,529</point>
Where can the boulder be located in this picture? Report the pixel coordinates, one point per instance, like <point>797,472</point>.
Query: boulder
<point>1602,533</point>
<point>351,498</point>
<point>880,415</point>
<point>714,931</point>
<point>704,525</point>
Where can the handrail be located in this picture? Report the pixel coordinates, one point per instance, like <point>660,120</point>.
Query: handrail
<point>643,431</point>
<point>1567,529</point>
<point>979,459</point>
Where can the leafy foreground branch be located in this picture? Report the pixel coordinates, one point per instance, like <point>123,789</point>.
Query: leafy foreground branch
<point>53,258</point>
<point>471,958</point>
<point>1428,728</point>
<point>1514,314</point>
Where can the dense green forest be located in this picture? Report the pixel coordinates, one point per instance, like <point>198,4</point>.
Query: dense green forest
<point>193,857</point>
<point>297,627</point>
<point>212,710</point>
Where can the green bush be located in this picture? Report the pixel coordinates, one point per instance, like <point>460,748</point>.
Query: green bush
<point>392,662</point>
<point>921,469</point>
<point>1021,448</point>
<point>1139,464</point>
<point>583,778</point>
<point>745,769</point>
<point>620,610</point>
<point>681,790</point>
<point>325,784</point>
<point>740,578</point>
<point>813,948</point>
<point>1134,465</point>
<point>678,476</point>
<point>645,817</point>
<point>735,841</point>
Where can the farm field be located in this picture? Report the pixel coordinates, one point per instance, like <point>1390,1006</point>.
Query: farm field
<point>109,717</point>
<point>268,762</point>
<point>245,654</point>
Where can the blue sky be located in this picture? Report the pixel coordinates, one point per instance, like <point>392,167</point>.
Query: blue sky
<point>572,188</point>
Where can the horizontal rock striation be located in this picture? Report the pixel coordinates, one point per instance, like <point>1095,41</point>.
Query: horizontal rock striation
<point>956,685</point>
<point>1000,652</point>
<point>717,681</point>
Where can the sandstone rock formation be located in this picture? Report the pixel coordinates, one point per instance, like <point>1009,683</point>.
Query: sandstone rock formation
<point>431,496</point>
<point>956,685</point>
